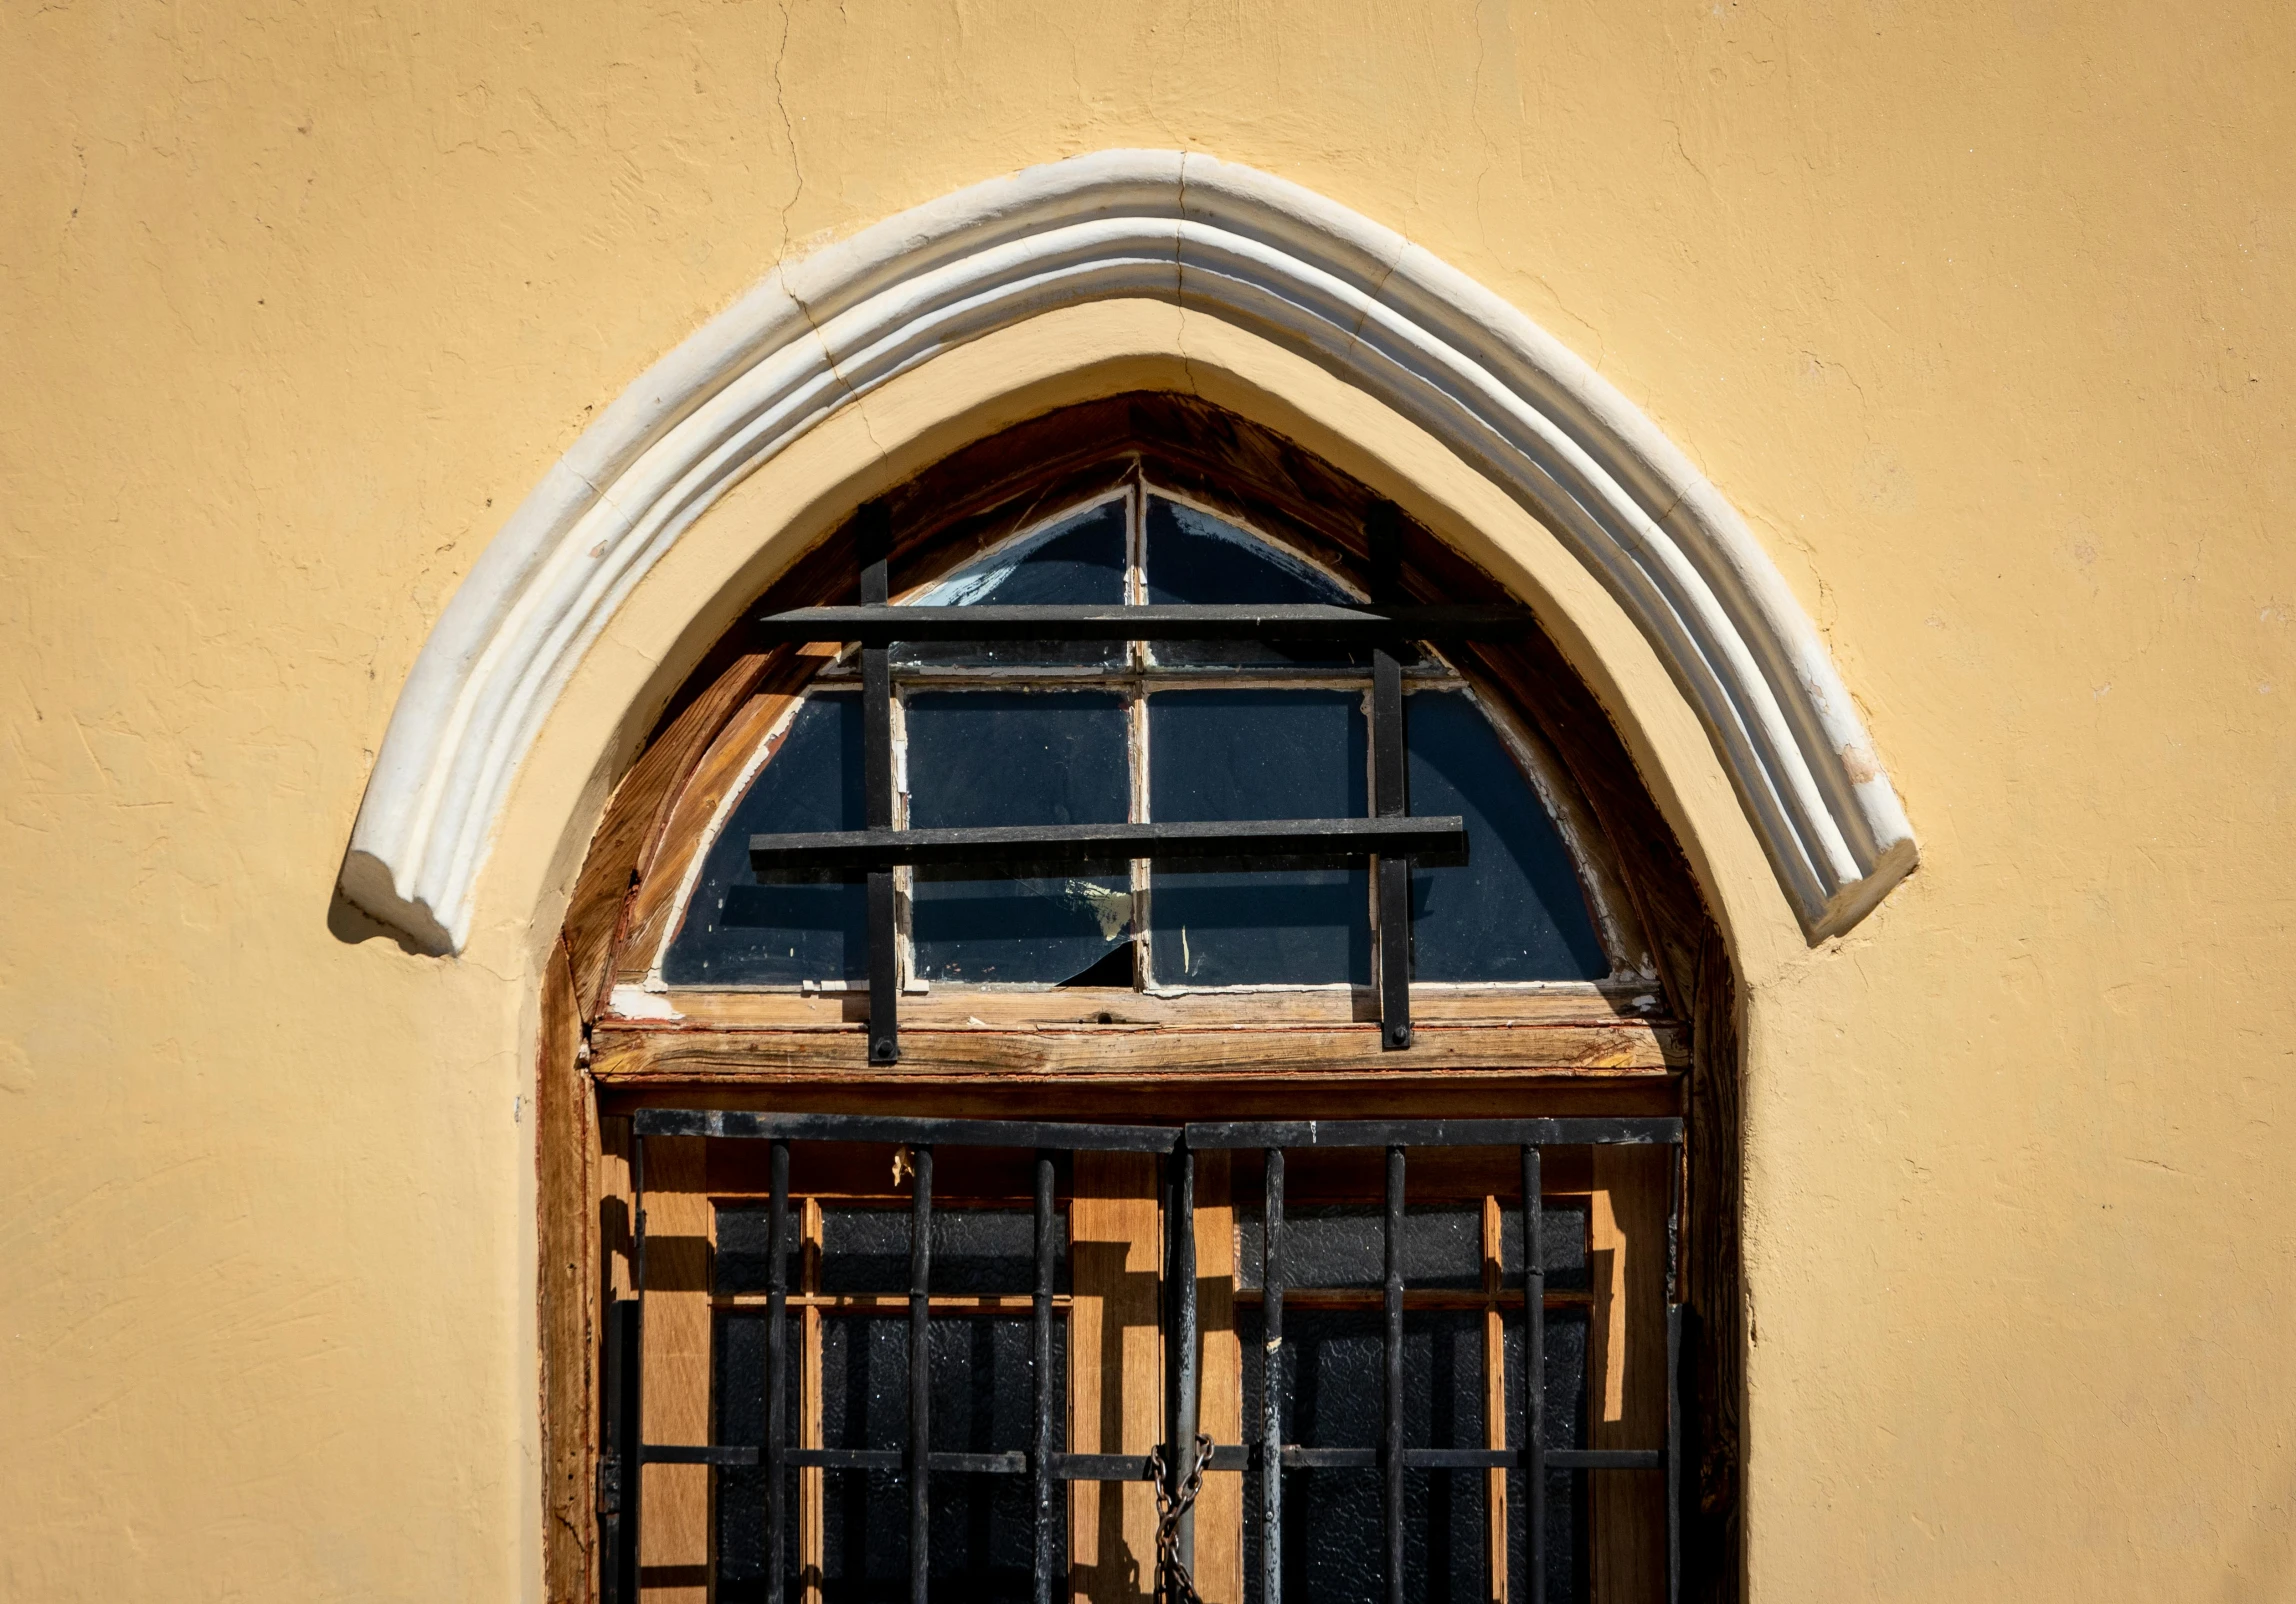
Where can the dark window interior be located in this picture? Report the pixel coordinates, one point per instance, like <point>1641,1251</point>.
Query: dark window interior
<point>1005,734</point>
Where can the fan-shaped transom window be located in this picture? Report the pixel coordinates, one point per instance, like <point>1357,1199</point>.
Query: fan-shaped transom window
<point>1042,733</point>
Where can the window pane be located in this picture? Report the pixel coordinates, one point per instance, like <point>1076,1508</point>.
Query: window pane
<point>738,932</point>
<point>1345,1245</point>
<point>1566,1421</point>
<point>1191,556</point>
<point>1514,910</point>
<point>982,1402</point>
<point>1017,757</point>
<point>1333,1519</point>
<point>1077,562</point>
<point>1268,754</point>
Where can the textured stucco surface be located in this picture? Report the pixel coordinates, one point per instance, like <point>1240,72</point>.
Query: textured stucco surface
<point>1977,313</point>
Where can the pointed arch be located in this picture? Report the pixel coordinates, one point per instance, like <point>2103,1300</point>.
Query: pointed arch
<point>1213,238</point>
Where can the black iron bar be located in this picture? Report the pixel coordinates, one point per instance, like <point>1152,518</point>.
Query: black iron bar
<point>1605,1458</point>
<point>633,1385</point>
<point>873,546</point>
<point>1314,621</point>
<point>998,850</point>
<point>1534,1445</point>
<point>1392,1392</point>
<point>1272,1377</point>
<point>1675,1481</point>
<point>741,1124</point>
<point>1673,1468</point>
<point>618,1500</point>
<point>1098,1467</point>
<point>920,1370</point>
<point>1047,1250</point>
<point>1295,1457</point>
<point>1180,1346</point>
<point>776,1372</point>
<point>1393,901</point>
<point>1390,783</point>
<point>1103,1467</point>
<point>741,1456</point>
<point>1637,1131</point>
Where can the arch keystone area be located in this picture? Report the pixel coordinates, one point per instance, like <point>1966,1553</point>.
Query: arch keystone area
<point>1218,239</point>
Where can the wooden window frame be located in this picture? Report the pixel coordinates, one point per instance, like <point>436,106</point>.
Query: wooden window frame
<point>1658,1045</point>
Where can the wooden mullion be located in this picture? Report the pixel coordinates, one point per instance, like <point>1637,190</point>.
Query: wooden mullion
<point>811,1513</point>
<point>1494,1401</point>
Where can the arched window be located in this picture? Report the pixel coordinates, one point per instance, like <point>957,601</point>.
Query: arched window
<point>1016,733</point>
<point>1148,892</point>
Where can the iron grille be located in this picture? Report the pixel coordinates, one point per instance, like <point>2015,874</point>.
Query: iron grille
<point>1267,1457</point>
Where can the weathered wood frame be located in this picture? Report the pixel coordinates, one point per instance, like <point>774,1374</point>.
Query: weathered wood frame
<point>1118,1054</point>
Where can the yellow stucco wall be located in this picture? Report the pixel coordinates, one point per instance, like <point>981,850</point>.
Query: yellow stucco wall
<point>1977,313</point>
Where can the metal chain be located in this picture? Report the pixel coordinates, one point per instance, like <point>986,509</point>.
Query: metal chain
<point>1173,1583</point>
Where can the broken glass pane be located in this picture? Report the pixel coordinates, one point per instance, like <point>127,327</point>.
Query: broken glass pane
<point>1010,758</point>
<point>1078,562</point>
<point>1194,557</point>
<point>738,932</point>
<point>1258,754</point>
<point>1514,911</point>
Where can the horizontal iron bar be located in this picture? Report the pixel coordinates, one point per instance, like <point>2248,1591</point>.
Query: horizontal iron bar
<point>1134,1467</point>
<point>1460,1458</point>
<point>1101,1467</point>
<point>682,1453</point>
<point>1298,1458</point>
<point>891,1128</point>
<point>1605,1458</point>
<point>1068,848</point>
<point>849,1458</point>
<point>1310,621</point>
<point>1436,1133</point>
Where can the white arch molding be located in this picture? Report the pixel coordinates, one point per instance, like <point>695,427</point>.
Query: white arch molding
<point>1218,239</point>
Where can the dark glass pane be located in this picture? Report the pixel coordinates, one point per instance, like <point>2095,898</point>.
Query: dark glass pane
<point>738,932</point>
<point>1333,1519</point>
<point>1077,562</point>
<point>1514,911</point>
<point>1192,556</point>
<point>1345,1245</point>
<point>1566,1423</point>
<point>1562,1244</point>
<point>744,1259</point>
<point>983,1391</point>
<point>974,1249</point>
<point>1017,757</point>
<point>1259,754</point>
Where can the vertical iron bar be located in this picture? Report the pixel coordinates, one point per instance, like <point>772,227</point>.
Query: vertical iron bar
<point>1272,1378</point>
<point>920,1368</point>
<point>618,1560</point>
<point>1392,1457</point>
<point>776,1455</point>
<point>1390,781</point>
<point>1040,1461</point>
<point>1534,1385</point>
<point>873,538</point>
<point>1180,1353</point>
<point>633,1381</point>
<point>1674,1318</point>
<point>1673,1453</point>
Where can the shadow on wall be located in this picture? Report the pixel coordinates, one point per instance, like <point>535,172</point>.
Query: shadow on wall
<point>348,923</point>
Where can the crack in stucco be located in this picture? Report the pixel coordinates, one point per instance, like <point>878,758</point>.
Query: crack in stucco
<point>788,132</point>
